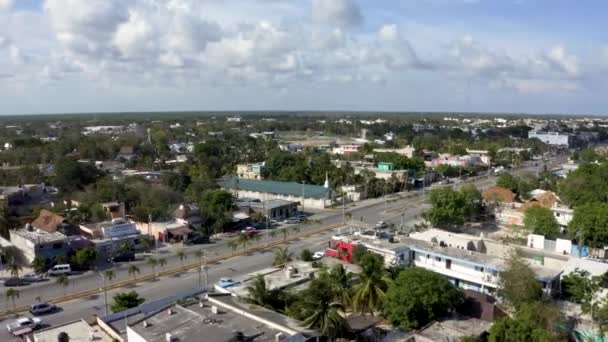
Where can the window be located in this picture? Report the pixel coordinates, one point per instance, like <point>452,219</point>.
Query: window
<point>437,258</point>
<point>479,269</point>
<point>448,264</point>
<point>428,256</point>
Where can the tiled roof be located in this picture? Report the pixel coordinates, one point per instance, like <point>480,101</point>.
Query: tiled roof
<point>47,221</point>
<point>282,188</point>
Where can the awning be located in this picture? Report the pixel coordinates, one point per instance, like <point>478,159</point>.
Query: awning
<point>180,231</point>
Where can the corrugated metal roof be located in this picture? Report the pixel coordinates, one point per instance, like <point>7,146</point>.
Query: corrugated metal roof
<point>282,188</point>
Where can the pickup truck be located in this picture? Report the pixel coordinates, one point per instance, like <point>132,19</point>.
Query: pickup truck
<point>24,323</point>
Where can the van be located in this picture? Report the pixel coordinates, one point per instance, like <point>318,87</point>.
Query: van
<point>62,269</point>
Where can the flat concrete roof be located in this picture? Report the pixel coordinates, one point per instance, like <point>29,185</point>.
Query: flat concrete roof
<point>78,331</point>
<point>452,329</point>
<point>193,323</point>
<point>39,235</point>
<point>276,278</point>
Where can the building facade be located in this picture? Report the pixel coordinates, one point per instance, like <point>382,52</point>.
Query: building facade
<point>552,138</point>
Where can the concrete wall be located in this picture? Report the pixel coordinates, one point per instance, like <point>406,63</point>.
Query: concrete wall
<point>132,336</point>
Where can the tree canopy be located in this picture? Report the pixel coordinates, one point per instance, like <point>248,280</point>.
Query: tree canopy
<point>518,284</point>
<point>126,300</point>
<point>589,225</point>
<point>450,207</point>
<point>540,220</point>
<point>419,296</point>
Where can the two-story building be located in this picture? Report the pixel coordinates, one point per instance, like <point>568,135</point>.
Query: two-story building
<point>466,268</point>
<point>251,170</point>
<point>109,236</point>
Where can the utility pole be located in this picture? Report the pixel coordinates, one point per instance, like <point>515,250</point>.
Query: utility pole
<point>105,294</point>
<point>205,269</point>
<point>303,182</point>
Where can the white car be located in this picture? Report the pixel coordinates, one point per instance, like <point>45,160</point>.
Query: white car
<point>318,255</point>
<point>23,323</point>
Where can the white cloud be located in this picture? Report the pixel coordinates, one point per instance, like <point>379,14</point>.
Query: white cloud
<point>337,12</point>
<point>6,5</point>
<point>134,37</point>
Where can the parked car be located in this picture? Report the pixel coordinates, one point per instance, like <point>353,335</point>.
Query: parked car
<point>42,308</point>
<point>226,282</point>
<point>197,239</point>
<point>61,269</point>
<point>14,281</point>
<point>23,323</point>
<point>318,255</point>
<point>292,220</point>
<point>302,217</point>
<point>33,277</point>
<point>124,256</point>
<point>381,225</point>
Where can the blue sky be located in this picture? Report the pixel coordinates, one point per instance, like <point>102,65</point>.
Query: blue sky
<point>529,56</point>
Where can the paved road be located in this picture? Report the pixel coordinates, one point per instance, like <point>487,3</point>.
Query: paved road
<point>393,209</point>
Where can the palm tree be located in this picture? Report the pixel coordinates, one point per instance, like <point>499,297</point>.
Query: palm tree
<point>12,294</point>
<point>295,229</point>
<point>281,256</point>
<point>340,278</point>
<point>109,275</point>
<point>182,256</point>
<point>14,270</point>
<point>285,232</point>
<point>258,293</point>
<point>318,309</point>
<point>243,240</point>
<point>257,238</point>
<point>234,244</point>
<point>370,292</point>
<point>162,262</point>
<point>133,271</point>
<point>152,262</point>
<point>38,265</point>
<point>272,234</point>
<point>63,281</point>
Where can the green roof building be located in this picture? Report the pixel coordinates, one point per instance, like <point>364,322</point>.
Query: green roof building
<point>382,166</point>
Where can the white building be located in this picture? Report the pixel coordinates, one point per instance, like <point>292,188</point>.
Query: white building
<point>552,138</point>
<point>407,151</point>
<point>309,196</point>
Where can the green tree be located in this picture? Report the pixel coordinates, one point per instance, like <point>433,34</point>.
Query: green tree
<point>585,185</point>
<point>419,296</point>
<point>447,208</point>
<point>370,292</point>
<point>233,244</point>
<point>133,271</point>
<point>162,262</point>
<point>540,220</point>
<point>258,293</point>
<point>12,294</point>
<point>126,300</point>
<point>152,262</point>
<point>518,284</point>
<point>182,256</point>
<point>579,287</point>
<point>71,175</point>
<point>507,180</point>
<point>472,200</point>
<point>341,280</point>
<point>14,270</point>
<point>537,321</point>
<point>63,281</point>
<point>306,255</point>
<point>109,275</point>
<point>243,239</point>
<point>281,256</point>
<point>38,265</point>
<point>85,257</point>
<point>589,225</point>
<point>358,253</point>
<point>318,309</point>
